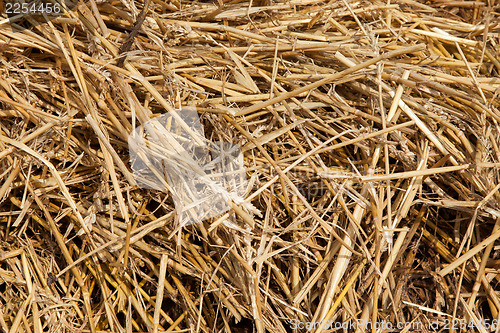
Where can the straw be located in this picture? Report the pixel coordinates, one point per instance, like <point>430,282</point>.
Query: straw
<point>369,138</point>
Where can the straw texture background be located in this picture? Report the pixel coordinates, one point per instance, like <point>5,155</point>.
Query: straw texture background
<point>370,133</point>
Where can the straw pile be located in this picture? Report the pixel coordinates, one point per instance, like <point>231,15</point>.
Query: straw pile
<point>370,137</point>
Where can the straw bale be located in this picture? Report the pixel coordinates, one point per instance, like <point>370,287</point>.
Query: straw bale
<point>370,133</point>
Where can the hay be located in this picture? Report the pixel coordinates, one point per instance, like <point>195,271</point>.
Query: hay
<point>370,137</point>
